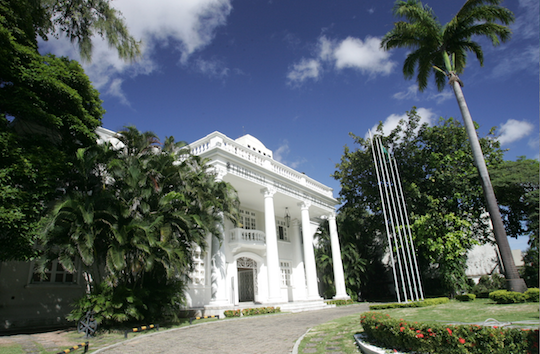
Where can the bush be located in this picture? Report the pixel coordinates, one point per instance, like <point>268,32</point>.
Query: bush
<point>446,339</point>
<point>466,297</point>
<point>487,284</point>
<point>260,311</point>
<point>231,313</point>
<point>340,302</point>
<point>423,303</point>
<point>507,297</point>
<point>532,294</point>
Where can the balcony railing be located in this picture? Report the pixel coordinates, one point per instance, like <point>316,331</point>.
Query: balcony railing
<point>248,239</point>
<point>221,141</point>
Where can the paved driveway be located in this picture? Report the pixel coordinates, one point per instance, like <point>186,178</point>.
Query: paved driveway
<point>249,335</point>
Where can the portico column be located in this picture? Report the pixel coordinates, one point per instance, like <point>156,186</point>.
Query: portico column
<point>272,258</point>
<point>339,278</point>
<point>309,255</point>
<point>218,263</point>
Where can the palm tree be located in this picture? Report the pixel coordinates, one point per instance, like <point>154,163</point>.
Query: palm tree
<point>442,50</point>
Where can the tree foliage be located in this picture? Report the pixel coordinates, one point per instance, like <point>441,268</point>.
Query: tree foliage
<point>431,43</point>
<point>442,192</point>
<point>48,109</point>
<point>135,218</point>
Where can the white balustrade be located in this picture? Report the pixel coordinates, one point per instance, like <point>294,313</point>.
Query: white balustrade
<point>229,145</point>
<point>243,237</point>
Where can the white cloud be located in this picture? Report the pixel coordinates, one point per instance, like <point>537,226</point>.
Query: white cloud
<point>409,94</point>
<point>115,89</point>
<point>350,53</point>
<point>187,25</point>
<point>514,130</point>
<point>306,69</point>
<point>392,121</point>
<point>212,68</point>
<point>366,56</point>
<point>412,93</point>
<point>280,153</point>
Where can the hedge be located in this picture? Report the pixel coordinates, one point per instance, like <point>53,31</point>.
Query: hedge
<point>512,297</point>
<point>423,303</point>
<point>340,302</point>
<point>438,338</point>
<point>466,297</point>
<point>251,311</point>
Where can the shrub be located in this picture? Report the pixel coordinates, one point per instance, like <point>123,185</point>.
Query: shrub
<point>466,297</point>
<point>446,339</point>
<point>423,303</point>
<point>340,302</point>
<point>532,294</point>
<point>487,284</point>
<point>260,311</point>
<point>507,297</point>
<point>231,313</point>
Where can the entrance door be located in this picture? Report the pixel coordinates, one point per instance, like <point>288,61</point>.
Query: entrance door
<point>247,279</point>
<point>245,285</point>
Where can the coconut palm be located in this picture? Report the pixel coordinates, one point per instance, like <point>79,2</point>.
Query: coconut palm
<point>442,50</point>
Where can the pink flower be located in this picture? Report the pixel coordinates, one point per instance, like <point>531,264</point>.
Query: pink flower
<point>420,335</point>
<point>461,340</point>
<point>449,331</point>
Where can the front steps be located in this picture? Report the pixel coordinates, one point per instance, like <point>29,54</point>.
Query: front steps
<point>297,306</point>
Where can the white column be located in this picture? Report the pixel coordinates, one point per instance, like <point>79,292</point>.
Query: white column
<point>218,261</point>
<point>299,282</point>
<point>309,255</point>
<point>219,274</point>
<point>272,258</point>
<point>339,278</point>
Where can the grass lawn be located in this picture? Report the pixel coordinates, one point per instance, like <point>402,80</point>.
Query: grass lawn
<point>337,335</point>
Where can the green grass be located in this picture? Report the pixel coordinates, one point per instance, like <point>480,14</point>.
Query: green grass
<point>478,310</point>
<point>11,349</point>
<point>339,333</point>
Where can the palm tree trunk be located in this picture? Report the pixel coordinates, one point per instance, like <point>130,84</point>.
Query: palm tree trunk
<point>513,281</point>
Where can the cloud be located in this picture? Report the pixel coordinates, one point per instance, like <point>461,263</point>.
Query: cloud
<point>392,121</point>
<point>412,93</point>
<point>365,56</point>
<point>212,68</point>
<point>514,130</point>
<point>282,151</point>
<point>350,53</point>
<point>187,26</point>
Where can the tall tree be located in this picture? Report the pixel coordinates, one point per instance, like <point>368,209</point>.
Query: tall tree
<point>442,50</point>
<point>442,191</point>
<point>135,218</point>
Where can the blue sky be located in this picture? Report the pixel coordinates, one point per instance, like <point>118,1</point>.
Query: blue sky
<point>300,75</point>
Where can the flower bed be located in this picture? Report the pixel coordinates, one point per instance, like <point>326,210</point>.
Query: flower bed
<point>435,338</point>
<point>251,311</point>
<point>426,302</point>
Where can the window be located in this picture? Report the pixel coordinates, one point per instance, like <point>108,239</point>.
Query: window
<point>197,276</point>
<point>54,274</point>
<point>281,229</point>
<point>286,272</point>
<point>248,220</point>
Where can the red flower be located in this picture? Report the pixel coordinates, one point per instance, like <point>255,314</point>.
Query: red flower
<point>401,329</point>
<point>429,330</point>
<point>420,335</point>
<point>461,340</point>
<point>495,327</point>
<point>418,331</point>
<point>449,331</point>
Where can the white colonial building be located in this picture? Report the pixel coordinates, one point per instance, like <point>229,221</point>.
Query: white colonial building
<point>269,259</point>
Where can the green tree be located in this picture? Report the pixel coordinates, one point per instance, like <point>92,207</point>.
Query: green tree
<point>442,50</point>
<point>48,109</point>
<point>516,184</point>
<point>135,219</point>
<point>442,192</point>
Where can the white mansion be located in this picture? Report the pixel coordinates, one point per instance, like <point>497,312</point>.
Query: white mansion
<point>270,259</point>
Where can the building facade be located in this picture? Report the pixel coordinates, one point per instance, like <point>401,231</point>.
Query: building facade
<point>269,258</point>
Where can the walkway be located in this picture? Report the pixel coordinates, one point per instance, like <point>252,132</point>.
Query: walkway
<point>273,334</point>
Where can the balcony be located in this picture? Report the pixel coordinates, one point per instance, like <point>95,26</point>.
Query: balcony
<point>247,240</point>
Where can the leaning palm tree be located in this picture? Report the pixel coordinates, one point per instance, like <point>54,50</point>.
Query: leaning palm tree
<point>442,50</point>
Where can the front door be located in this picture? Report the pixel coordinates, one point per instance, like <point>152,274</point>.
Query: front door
<point>245,284</point>
<point>247,279</point>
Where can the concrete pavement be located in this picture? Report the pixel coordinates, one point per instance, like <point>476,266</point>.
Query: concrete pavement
<point>248,335</point>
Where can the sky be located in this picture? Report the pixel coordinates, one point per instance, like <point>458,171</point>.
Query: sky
<point>300,75</point>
